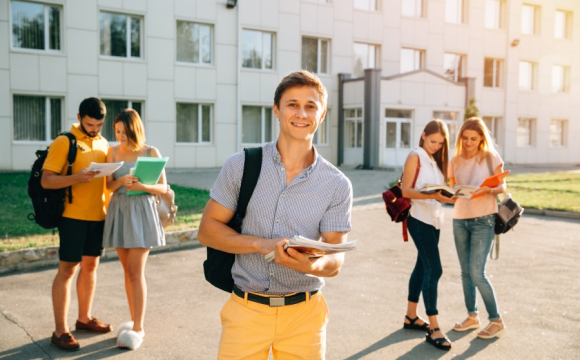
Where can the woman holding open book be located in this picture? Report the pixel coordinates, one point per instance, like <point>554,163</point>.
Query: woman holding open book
<point>132,225</point>
<point>474,158</point>
<point>427,164</point>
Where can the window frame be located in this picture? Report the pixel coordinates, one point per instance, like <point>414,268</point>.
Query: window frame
<point>356,120</point>
<point>535,20</point>
<point>563,135</point>
<point>318,54</point>
<point>263,109</point>
<point>211,43</point>
<point>370,8</point>
<point>376,60</point>
<point>496,128</point>
<point>324,126</point>
<point>419,9</point>
<point>128,55</point>
<point>47,117</point>
<point>461,13</point>
<point>199,123</point>
<point>262,60</point>
<point>529,132</point>
<point>565,80</point>
<point>452,124</point>
<point>499,23</point>
<point>567,26</point>
<point>422,56</point>
<point>46,29</point>
<point>497,73</point>
<point>531,73</point>
<point>459,66</point>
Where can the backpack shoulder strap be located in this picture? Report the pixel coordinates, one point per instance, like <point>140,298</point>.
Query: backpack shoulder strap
<point>72,156</point>
<point>252,168</point>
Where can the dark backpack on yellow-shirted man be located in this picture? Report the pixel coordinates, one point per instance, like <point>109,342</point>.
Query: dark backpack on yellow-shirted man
<point>48,204</point>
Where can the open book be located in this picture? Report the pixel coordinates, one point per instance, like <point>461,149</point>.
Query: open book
<point>105,169</point>
<point>464,191</point>
<point>314,248</point>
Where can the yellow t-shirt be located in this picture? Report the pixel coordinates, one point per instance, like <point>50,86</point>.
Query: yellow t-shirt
<point>88,200</point>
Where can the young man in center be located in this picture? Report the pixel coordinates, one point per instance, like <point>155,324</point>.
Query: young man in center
<point>298,193</point>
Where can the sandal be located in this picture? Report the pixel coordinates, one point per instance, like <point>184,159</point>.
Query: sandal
<point>439,343</point>
<point>485,334</point>
<point>413,326</point>
<point>461,327</point>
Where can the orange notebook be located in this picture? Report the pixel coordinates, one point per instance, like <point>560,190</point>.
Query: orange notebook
<point>492,182</point>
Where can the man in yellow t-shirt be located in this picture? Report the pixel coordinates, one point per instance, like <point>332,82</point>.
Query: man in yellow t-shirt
<point>81,227</point>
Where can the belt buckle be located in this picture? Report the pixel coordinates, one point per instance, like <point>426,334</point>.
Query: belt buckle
<point>276,301</point>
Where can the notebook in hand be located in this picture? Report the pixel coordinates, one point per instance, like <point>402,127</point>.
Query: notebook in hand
<point>148,170</point>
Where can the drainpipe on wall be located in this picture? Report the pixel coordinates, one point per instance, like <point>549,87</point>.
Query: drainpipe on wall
<point>371,118</point>
<point>341,79</point>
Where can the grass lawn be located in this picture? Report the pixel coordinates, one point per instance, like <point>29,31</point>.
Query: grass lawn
<point>546,191</point>
<point>17,232</point>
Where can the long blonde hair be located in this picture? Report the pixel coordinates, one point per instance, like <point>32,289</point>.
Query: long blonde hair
<point>486,145</point>
<point>441,157</point>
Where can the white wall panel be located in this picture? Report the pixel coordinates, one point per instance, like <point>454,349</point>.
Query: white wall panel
<point>206,84</point>
<point>5,94</point>
<point>160,59</point>
<point>52,73</point>
<point>83,52</point>
<point>82,15</point>
<point>160,22</point>
<point>135,79</point>
<point>24,72</point>
<point>185,82</point>
<point>110,78</point>
<point>160,101</point>
<point>4,45</point>
<point>79,87</point>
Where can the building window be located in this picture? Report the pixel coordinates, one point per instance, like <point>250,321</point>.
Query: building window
<point>319,1</point>
<point>36,26</point>
<point>257,125</point>
<point>450,119</point>
<point>527,78</point>
<point>353,130</point>
<point>453,65</point>
<point>412,8</point>
<point>193,123</point>
<point>114,107</point>
<point>563,25</point>
<point>194,42</point>
<point>455,11</point>
<point>366,56</point>
<point>494,14</point>
<point>526,132</point>
<point>368,5</point>
<point>530,19</point>
<point>121,35</point>
<point>412,59</point>
<point>493,124</point>
<point>321,135</point>
<point>560,79</point>
<point>258,49</point>
<point>558,133</point>
<point>315,55</point>
<point>492,72</point>
<point>37,118</point>
<point>398,127</point>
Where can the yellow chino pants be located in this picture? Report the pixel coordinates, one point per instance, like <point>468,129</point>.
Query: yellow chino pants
<point>250,329</point>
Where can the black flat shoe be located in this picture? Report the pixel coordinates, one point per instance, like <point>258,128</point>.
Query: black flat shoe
<point>413,326</point>
<point>439,343</point>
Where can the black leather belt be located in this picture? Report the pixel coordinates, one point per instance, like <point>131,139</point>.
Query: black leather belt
<point>275,300</point>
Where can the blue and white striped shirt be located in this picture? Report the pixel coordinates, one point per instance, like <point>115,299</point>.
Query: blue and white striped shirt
<point>318,200</point>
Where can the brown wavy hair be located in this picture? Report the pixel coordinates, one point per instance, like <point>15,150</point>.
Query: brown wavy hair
<point>133,128</point>
<point>442,155</point>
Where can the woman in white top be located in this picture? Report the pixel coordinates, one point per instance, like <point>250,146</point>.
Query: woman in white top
<point>424,222</point>
<point>474,159</point>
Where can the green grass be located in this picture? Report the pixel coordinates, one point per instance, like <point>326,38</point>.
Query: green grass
<point>546,191</point>
<point>19,233</point>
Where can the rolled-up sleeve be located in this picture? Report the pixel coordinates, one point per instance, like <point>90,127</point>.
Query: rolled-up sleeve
<point>226,188</point>
<point>338,215</point>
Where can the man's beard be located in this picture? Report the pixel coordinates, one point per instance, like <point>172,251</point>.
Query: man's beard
<point>86,132</point>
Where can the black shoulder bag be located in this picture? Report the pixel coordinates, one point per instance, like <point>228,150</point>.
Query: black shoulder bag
<point>217,268</point>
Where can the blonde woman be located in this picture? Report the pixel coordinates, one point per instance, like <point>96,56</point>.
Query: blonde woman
<point>474,222</point>
<point>132,225</point>
<point>424,222</point>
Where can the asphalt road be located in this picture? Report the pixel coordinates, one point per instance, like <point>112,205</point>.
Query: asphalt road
<point>536,280</point>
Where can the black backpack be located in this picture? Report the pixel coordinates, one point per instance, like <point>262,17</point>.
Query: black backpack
<point>217,268</point>
<point>48,204</point>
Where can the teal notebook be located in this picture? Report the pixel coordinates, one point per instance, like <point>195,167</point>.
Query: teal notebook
<point>148,170</point>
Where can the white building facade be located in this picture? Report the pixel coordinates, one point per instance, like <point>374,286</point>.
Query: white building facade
<point>202,73</point>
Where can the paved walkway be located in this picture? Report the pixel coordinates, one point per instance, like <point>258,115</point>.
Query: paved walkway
<point>536,280</point>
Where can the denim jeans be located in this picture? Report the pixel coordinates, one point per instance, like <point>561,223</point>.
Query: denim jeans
<point>473,241</point>
<point>428,269</point>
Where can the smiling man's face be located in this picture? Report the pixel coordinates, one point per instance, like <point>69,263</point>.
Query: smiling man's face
<point>300,113</point>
